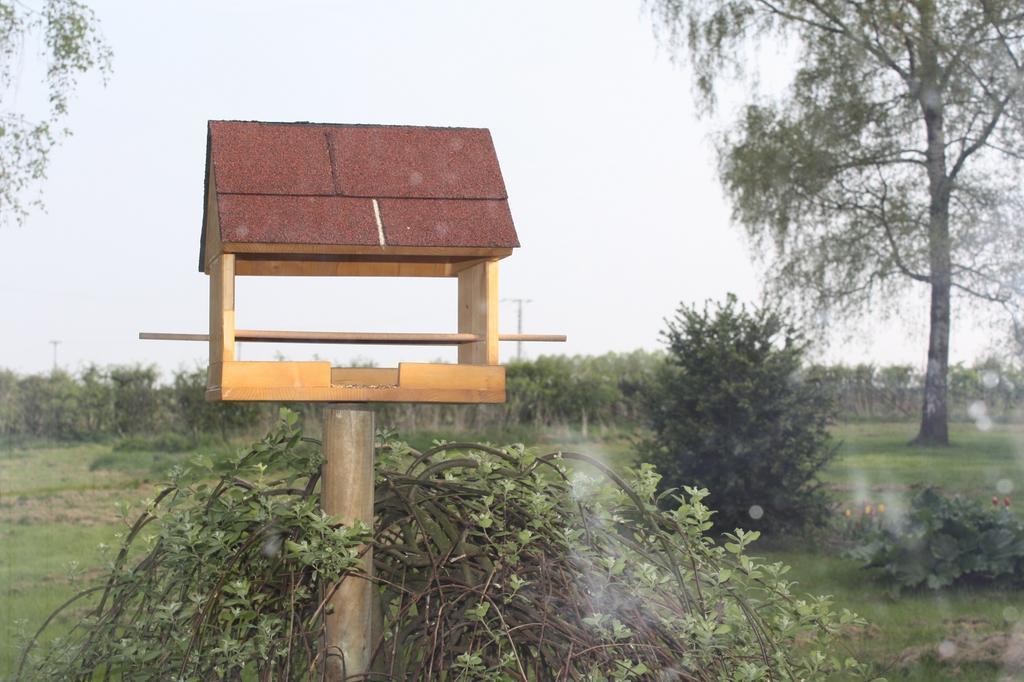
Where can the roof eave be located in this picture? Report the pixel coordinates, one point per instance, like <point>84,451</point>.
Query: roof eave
<point>319,250</point>
<point>206,200</point>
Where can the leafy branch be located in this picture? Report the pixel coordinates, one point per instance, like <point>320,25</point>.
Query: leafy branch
<point>490,564</point>
<point>72,46</point>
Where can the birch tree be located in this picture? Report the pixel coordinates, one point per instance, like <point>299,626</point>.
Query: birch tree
<point>892,159</point>
<point>64,34</point>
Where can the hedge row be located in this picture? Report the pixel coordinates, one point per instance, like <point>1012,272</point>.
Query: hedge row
<point>581,393</point>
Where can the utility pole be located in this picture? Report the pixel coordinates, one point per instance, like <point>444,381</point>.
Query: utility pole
<point>54,343</point>
<point>519,321</point>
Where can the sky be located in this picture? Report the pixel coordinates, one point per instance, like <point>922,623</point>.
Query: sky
<point>610,174</point>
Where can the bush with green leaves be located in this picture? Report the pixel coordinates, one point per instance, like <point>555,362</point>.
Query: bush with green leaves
<point>941,541</point>
<point>491,564</point>
<point>732,411</point>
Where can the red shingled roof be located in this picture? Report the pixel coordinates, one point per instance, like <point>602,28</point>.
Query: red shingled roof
<point>358,185</point>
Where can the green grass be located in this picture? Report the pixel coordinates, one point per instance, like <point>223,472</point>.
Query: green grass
<point>57,504</point>
<point>41,566</point>
<point>876,457</point>
<point>875,464</point>
<point>56,508</point>
<point>51,469</point>
<point>918,619</point>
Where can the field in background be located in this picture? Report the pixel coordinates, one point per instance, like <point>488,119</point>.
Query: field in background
<point>58,505</point>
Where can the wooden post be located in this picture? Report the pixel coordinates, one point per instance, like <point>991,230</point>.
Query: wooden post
<point>478,313</point>
<point>222,315</point>
<point>347,496</point>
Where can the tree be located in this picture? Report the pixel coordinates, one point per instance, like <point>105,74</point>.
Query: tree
<point>892,158</point>
<point>732,412</point>
<point>72,46</point>
<point>136,399</point>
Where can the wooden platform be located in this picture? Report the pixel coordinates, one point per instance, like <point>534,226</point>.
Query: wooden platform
<point>319,382</point>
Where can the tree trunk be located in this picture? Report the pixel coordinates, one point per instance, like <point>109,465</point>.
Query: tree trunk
<point>934,415</point>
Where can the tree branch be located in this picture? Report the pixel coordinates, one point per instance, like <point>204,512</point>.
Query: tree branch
<point>1004,41</point>
<point>778,11</point>
<point>884,219</point>
<point>1008,152</point>
<point>985,133</point>
<point>836,27</point>
<point>991,298</point>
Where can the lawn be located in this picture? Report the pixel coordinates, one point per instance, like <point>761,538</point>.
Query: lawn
<point>875,465</point>
<point>60,515</point>
<point>875,458</point>
<point>59,505</point>
<point>913,626</point>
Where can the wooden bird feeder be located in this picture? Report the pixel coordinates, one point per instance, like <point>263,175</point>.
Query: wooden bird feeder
<point>303,199</point>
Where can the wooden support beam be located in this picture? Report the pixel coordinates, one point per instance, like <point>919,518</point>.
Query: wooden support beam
<point>372,338</point>
<point>455,267</point>
<point>222,314</point>
<point>478,313</point>
<point>172,336</point>
<point>278,248</point>
<point>347,497</point>
<point>375,338</point>
<point>351,266</point>
<point>543,338</point>
<point>315,381</point>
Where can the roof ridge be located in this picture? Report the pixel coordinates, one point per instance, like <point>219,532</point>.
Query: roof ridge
<point>361,196</point>
<point>344,125</point>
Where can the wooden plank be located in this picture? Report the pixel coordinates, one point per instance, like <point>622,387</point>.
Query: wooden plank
<point>167,336</point>
<point>273,374</point>
<point>346,495</point>
<point>478,313</point>
<point>252,335</point>
<point>549,338</point>
<point>356,394</point>
<point>318,382</point>
<point>458,266</point>
<point>341,268</point>
<point>315,249</point>
<point>412,375</point>
<point>368,338</point>
<point>364,376</point>
<point>374,338</point>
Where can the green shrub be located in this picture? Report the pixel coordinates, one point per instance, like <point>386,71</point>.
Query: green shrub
<point>943,540</point>
<point>491,564</point>
<point>732,412</point>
